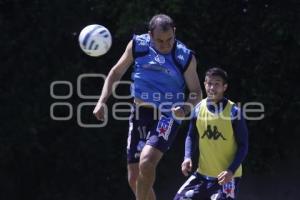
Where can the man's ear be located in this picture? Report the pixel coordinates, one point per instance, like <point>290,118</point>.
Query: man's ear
<point>225,87</point>
<point>150,33</point>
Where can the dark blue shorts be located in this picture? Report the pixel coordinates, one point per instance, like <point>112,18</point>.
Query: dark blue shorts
<point>147,126</point>
<point>207,188</point>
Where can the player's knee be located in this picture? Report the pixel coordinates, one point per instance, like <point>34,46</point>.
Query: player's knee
<point>147,167</point>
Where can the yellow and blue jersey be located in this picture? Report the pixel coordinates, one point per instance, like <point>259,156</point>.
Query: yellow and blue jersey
<point>221,135</point>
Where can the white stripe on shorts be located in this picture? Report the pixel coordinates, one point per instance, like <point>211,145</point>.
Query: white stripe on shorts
<point>192,177</point>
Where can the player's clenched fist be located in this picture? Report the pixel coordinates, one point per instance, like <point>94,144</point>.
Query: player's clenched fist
<point>99,111</point>
<point>186,166</point>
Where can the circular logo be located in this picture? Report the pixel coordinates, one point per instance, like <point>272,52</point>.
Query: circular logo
<point>160,59</point>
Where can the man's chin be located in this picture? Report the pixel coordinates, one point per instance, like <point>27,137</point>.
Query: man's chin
<point>212,97</point>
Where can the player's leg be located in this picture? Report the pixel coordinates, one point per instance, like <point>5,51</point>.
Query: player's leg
<point>159,140</point>
<point>148,162</point>
<point>133,172</point>
<point>151,195</point>
<point>135,144</point>
<point>140,122</point>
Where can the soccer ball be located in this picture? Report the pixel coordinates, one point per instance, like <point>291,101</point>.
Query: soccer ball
<point>95,40</point>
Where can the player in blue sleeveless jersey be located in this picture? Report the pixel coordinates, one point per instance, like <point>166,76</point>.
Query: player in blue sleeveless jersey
<point>220,132</point>
<point>163,68</point>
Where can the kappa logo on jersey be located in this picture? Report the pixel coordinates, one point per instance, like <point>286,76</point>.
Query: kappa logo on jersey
<point>228,189</point>
<point>180,57</point>
<point>164,127</point>
<point>213,134</point>
<point>180,46</point>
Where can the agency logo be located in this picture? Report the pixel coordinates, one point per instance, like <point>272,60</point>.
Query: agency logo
<point>62,101</point>
<point>120,110</point>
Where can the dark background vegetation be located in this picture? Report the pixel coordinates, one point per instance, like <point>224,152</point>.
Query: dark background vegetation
<point>256,41</point>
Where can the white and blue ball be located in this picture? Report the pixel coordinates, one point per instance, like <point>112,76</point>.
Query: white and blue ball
<point>95,40</point>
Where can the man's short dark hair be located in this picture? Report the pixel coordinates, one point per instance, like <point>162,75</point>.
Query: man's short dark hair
<point>216,71</point>
<point>162,21</point>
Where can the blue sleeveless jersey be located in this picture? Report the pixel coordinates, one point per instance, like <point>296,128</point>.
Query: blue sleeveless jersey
<point>158,78</point>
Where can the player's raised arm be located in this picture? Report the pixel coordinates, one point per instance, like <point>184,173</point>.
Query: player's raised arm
<point>114,75</point>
